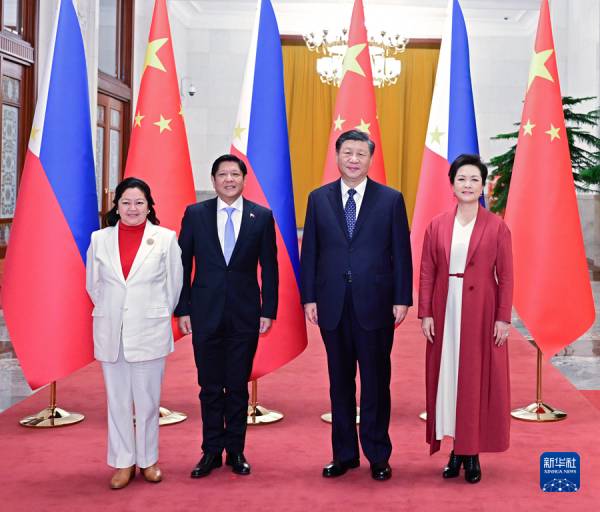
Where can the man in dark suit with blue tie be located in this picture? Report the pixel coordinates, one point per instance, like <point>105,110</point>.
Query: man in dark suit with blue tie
<point>224,307</point>
<point>356,285</point>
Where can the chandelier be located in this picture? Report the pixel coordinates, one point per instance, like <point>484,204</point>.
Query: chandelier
<point>382,49</point>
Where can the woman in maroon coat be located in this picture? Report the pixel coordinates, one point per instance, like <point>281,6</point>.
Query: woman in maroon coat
<point>465,300</point>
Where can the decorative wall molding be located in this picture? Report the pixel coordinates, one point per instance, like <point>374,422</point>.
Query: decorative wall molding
<point>16,48</point>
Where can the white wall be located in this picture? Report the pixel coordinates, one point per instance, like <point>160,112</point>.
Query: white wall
<point>499,70</point>
<point>577,40</point>
<point>216,62</point>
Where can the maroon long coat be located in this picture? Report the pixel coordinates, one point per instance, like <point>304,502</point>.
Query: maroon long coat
<point>483,400</point>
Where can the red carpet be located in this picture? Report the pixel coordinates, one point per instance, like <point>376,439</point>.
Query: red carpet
<point>65,468</point>
<point>593,396</point>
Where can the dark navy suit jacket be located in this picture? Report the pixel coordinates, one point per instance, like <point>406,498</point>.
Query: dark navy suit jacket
<point>217,284</point>
<point>378,256</point>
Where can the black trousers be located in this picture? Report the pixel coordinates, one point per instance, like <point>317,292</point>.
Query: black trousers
<point>346,345</point>
<point>224,361</point>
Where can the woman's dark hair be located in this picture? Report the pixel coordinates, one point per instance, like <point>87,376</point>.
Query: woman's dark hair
<point>467,160</point>
<point>112,217</point>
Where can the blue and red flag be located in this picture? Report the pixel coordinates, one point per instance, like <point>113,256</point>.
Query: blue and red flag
<point>451,131</point>
<point>261,140</point>
<point>47,309</point>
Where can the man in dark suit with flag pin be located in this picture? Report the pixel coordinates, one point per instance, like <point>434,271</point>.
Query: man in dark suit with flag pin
<point>356,285</point>
<point>227,238</point>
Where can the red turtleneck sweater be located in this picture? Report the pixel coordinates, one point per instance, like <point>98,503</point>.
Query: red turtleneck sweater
<point>130,238</point>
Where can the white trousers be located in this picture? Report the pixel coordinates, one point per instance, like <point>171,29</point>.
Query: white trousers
<point>130,385</point>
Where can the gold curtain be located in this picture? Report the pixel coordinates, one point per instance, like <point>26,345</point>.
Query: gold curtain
<point>403,111</point>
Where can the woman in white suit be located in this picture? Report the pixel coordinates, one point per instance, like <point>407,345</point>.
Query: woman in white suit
<point>134,277</point>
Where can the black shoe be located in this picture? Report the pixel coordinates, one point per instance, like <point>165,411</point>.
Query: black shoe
<point>453,468</point>
<point>381,471</point>
<point>207,463</point>
<point>238,463</point>
<point>338,467</point>
<point>472,469</point>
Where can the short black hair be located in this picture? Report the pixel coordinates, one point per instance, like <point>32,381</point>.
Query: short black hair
<point>354,135</point>
<point>466,159</point>
<point>228,158</point>
<point>112,217</point>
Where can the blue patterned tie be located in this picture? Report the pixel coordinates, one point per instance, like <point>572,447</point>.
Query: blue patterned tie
<point>229,238</point>
<point>350,211</point>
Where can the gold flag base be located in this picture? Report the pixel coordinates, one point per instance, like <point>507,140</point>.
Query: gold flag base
<point>538,411</point>
<point>259,415</point>
<point>326,417</point>
<point>169,417</point>
<point>52,416</point>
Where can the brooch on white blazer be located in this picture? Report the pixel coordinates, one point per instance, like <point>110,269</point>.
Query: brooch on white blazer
<point>150,241</point>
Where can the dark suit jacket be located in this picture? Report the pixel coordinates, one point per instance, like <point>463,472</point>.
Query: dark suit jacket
<point>217,284</point>
<point>378,255</point>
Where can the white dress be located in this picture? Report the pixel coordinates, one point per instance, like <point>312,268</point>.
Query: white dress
<point>445,404</point>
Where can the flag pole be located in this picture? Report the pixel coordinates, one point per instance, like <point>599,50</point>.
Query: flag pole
<point>538,411</point>
<point>257,414</point>
<point>171,179</point>
<point>52,416</point>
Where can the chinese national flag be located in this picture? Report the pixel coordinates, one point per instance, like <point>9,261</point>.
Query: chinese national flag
<point>355,102</point>
<point>158,150</point>
<point>552,288</point>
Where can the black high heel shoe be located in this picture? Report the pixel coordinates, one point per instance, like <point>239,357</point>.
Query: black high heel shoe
<point>453,468</point>
<point>472,469</point>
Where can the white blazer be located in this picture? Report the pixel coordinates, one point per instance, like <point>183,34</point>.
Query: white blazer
<point>136,310</point>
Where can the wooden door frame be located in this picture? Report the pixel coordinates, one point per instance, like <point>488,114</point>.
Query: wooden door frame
<point>119,87</point>
<point>20,50</point>
<point>108,102</point>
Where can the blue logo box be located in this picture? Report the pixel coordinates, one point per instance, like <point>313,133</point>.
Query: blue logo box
<point>560,472</point>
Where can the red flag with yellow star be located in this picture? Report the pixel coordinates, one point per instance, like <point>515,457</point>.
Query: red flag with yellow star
<point>552,287</point>
<point>355,102</point>
<point>158,150</point>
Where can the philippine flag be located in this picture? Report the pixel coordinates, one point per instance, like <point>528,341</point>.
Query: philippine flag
<point>451,131</point>
<point>47,310</point>
<point>261,140</point>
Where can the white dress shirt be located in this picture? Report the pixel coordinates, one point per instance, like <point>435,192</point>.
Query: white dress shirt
<point>236,218</point>
<point>358,197</point>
